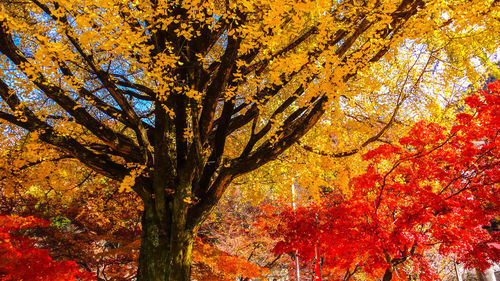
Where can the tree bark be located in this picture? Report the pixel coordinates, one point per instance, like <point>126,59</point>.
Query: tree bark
<point>387,274</point>
<point>480,274</point>
<point>166,243</point>
<point>153,256</point>
<point>181,237</point>
<point>181,256</point>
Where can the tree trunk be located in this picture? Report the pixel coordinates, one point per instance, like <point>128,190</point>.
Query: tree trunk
<point>388,274</point>
<point>181,243</point>
<point>166,244</point>
<point>480,275</point>
<point>153,256</point>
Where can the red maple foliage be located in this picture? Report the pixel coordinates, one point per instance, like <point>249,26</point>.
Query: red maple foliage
<point>436,187</point>
<point>20,259</point>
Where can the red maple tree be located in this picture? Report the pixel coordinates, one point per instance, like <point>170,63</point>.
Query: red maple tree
<point>20,259</point>
<point>435,187</point>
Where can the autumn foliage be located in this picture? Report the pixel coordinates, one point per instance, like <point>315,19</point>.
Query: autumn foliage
<point>212,264</point>
<point>151,111</point>
<point>435,187</point>
<point>20,259</point>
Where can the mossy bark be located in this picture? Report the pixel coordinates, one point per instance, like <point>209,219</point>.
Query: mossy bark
<point>167,240</point>
<point>154,251</point>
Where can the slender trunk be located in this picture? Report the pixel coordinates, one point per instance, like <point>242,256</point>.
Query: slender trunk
<point>387,274</point>
<point>480,275</point>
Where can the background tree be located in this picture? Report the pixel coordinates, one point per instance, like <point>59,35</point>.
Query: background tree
<point>18,253</point>
<point>435,187</point>
<point>152,93</point>
<point>90,221</point>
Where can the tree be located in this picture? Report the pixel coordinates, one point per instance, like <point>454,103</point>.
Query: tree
<point>90,221</point>
<point>21,260</point>
<point>95,224</point>
<point>434,187</point>
<point>151,93</point>
<point>214,264</point>
<point>232,229</point>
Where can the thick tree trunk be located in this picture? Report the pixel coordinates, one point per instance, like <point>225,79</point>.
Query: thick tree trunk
<point>154,251</point>
<point>160,259</point>
<point>166,246</point>
<point>181,255</point>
